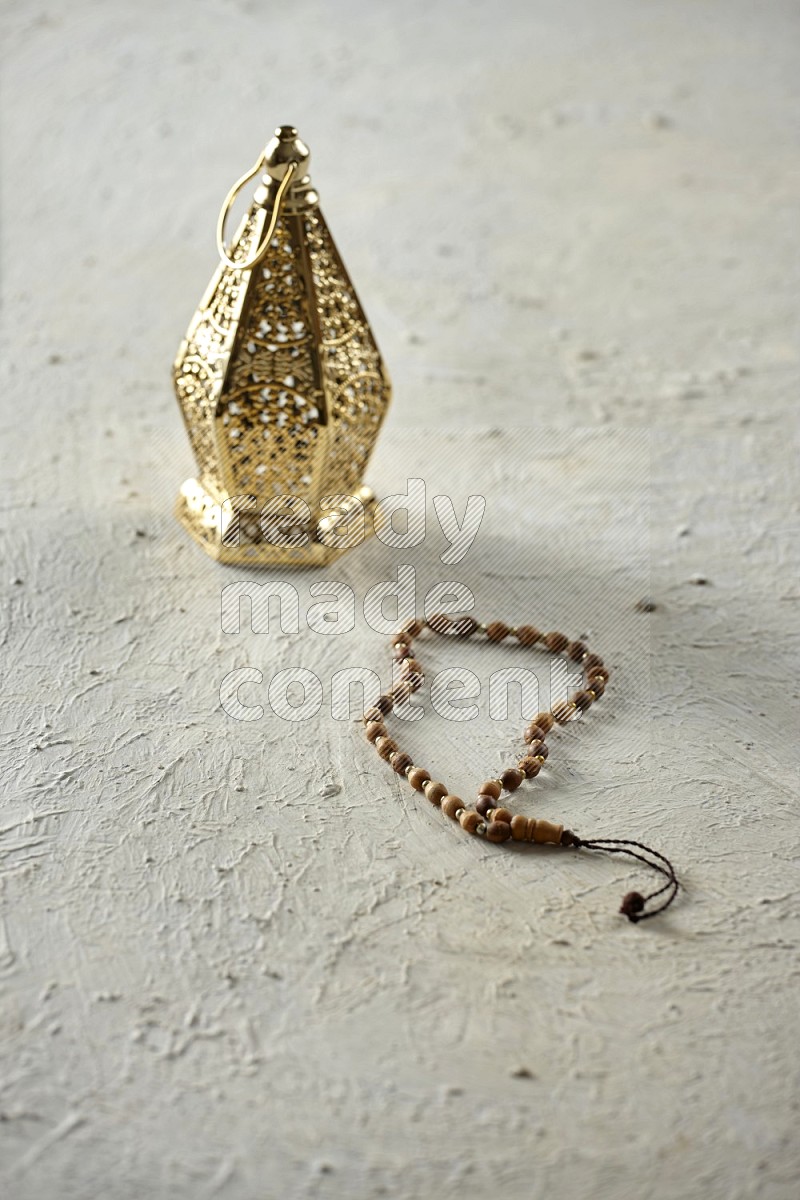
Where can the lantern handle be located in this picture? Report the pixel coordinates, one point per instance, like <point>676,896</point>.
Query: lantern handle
<point>283,187</point>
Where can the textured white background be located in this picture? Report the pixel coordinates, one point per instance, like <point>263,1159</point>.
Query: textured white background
<point>242,960</point>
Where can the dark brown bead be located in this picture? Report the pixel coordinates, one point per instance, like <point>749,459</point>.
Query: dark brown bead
<point>582,700</point>
<point>400,638</point>
<point>556,642</point>
<point>401,691</point>
<point>384,703</point>
<point>402,650</point>
<point>485,804</point>
<point>545,721</point>
<point>464,627</point>
<point>511,779</point>
<point>534,733</point>
<point>373,714</point>
<point>576,651</point>
<point>375,729</point>
<point>498,831</point>
<point>529,766</point>
<point>502,814</point>
<point>415,680</point>
<point>401,762</point>
<point>411,665</point>
<point>439,622</point>
<point>497,631</point>
<point>412,627</point>
<point>594,660</point>
<point>385,747</point>
<point>538,750</point>
<point>597,685</point>
<point>528,635</point>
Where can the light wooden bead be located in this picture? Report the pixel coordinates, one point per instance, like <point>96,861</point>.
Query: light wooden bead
<point>502,814</point>
<point>547,831</point>
<point>545,721</point>
<point>563,711</point>
<point>373,714</point>
<point>470,820</point>
<point>375,729</point>
<point>491,787</point>
<point>418,777</point>
<point>401,761</point>
<point>412,627</point>
<point>519,827</point>
<point>498,831</point>
<point>529,766</point>
<point>411,666</point>
<point>451,805</point>
<point>385,747</point>
<point>511,779</point>
<point>434,791</point>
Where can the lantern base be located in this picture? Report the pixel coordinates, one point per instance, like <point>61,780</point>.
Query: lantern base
<point>234,538</point>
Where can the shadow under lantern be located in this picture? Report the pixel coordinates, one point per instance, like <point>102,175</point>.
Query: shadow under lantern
<point>280,381</point>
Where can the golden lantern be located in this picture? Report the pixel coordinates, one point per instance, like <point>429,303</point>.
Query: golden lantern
<point>280,382</point>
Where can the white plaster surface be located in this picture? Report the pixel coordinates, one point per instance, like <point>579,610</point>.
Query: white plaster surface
<point>242,960</point>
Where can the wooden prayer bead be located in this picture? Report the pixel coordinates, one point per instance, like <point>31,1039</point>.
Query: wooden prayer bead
<point>418,778</point>
<point>496,631</point>
<point>582,701</point>
<point>538,750</point>
<point>527,635</point>
<point>576,651</point>
<point>598,686</point>
<point>385,747</point>
<point>384,704</point>
<point>451,805</point>
<point>544,720</point>
<point>463,627</point>
<point>485,805</point>
<point>375,729</point>
<point>492,787</point>
<point>599,673</point>
<point>502,814</point>
<point>556,642</point>
<point>439,622</point>
<point>372,715</point>
<point>498,831</point>
<point>470,820</point>
<point>591,661</point>
<point>563,711</point>
<point>434,791</point>
<point>400,638</point>
<point>401,691</point>
<point>546,831</point>
<point>511,779</point>
<point>410,665</point>
<point>534,733</point>
<point>402,650</point>
<point>401,762</point>
<point>529,766</point>
<point>519,827</point>
<point>413,627</point>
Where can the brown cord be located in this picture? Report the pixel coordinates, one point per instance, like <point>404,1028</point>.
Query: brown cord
<point>633,904</point>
